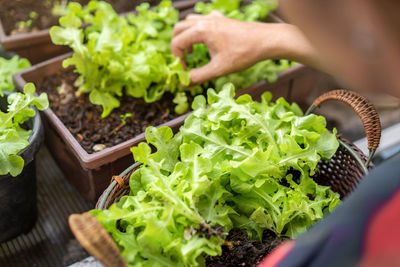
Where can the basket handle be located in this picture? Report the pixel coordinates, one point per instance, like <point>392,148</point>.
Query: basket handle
<point>95,239</point>
<point>364,109</point>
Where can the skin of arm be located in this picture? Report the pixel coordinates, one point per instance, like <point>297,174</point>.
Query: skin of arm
<point>236,45</point>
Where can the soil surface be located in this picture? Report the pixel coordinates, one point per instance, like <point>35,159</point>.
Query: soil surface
<point>84,120</point>
<point>14,11</point>
<point>238,250</point>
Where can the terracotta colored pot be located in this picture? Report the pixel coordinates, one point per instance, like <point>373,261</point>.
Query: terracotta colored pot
<point>37,46</point>
<point>90,173</point>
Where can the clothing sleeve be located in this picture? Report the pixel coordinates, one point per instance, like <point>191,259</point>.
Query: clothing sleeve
<point>362,231</point>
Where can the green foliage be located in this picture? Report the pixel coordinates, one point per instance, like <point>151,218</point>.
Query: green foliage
<point>256,10</point>
<point>8,67</point>
<point>26,25</point>
<point>59,8</point>
<point>14,138</point>
<point>117,55</point>
<point>125,116</point>
<point>231,165</point>
<point>253,11</point>
<point>265,70</point>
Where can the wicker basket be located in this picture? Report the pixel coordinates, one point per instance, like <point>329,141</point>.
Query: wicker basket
<point>342,173</point>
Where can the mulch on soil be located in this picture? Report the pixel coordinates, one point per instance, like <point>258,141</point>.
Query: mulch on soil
<point>84,121</point>
<point>14,11</point>
<point>239,250</point>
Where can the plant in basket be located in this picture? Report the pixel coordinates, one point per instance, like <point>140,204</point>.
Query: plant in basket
<point>21,135</point>
<point>236,166</point>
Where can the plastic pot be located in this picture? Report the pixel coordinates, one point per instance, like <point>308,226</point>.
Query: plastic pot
<point>90,173</point>
<point>6,54</point>
<point>18,211</point>
<point>37,46</point>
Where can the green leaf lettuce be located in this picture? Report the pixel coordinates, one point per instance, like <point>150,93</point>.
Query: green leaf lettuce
<point>237,163</point>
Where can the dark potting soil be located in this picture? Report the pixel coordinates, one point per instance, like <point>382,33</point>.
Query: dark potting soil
<point>84,121</point>
<point>14,11</point>
<point>239,250</point>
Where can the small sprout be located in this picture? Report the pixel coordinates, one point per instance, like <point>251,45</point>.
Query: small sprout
<point>60,8</point>
<point>47,3</point>
<point>33,15</point>
<point>124,117</point>
<point>24,25</point>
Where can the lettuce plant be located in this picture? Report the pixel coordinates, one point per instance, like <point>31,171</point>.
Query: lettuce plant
<point>130,55</point>
<point>13,136</point>
<point>8,67</point>
<point>235,164</point>
<point>117,55</point>
<point>238,9</point>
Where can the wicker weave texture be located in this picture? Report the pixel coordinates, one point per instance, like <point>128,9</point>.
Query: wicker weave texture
<point>95,239</point>
<point>364,109</point>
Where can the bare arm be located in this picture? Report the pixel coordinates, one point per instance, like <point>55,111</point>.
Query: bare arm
<point>235,45</point>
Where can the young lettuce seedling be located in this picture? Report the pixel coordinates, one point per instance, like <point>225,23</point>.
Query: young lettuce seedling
<point>124,117</point>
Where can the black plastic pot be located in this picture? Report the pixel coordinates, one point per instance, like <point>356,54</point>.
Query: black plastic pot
<point>6,54</point>
<point>18,211</point>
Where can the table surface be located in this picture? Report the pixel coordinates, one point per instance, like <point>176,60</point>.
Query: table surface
<point>50,243</point>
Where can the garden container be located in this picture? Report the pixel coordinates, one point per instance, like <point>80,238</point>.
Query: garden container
<point>6,54</point>
<point>342,173</point>
<point>18,194</point>
<point>90,173</point>
<point>37,46</point>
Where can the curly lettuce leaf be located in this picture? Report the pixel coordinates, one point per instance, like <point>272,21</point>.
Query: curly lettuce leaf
<point>14,138</point>
<point>260,144</point>
<point>162,204</point>
<point>130,55</point>
<point>122,55</point>
<point>234,164</point>
<point>253,11</point>
<point>8,67</point>
<point>11,144</point>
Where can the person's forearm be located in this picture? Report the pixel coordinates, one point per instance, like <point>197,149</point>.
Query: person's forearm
<point>288,43</point>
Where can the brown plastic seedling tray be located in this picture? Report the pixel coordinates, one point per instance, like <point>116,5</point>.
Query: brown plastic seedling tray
<point>37,46</point>
<point>90,173</point>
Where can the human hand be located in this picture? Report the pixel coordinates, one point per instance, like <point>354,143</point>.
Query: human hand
<point>235,45</point>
